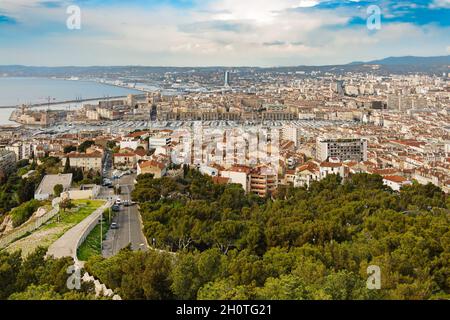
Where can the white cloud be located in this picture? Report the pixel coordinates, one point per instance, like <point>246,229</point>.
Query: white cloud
<point>228,32</point>
<point>440,4</point>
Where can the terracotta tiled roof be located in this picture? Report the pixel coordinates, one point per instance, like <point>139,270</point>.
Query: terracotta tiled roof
<point>141,152</point>
<point>152,163</point>
<point>136,134</point>
<point>384,172</point>
<point>308,166</point>
<point>124,155</point>
<point>240,169</point>
<point>330,165</point>
<point>221,180</point>
<point>95,154</point>
<point>397,179</point>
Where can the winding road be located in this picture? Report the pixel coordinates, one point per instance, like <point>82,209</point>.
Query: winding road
<point>129,222</point>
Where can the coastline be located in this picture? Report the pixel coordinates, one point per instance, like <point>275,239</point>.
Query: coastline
<point>78,80</point>
<point>20,94</point>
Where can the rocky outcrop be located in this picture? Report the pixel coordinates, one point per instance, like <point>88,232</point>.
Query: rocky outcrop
<point>6,226</point>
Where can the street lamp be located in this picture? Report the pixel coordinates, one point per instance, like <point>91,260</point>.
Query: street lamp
<point>101,234</point>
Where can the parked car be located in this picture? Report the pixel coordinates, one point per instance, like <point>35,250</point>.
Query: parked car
<point>115,208</point>
<point>114,226</point>
<point>107,184</point>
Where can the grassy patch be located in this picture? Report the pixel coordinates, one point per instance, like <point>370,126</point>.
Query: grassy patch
<point>56,227</point>
<point>92,246</point>
<point>24,236</point>
<point>83,208</point>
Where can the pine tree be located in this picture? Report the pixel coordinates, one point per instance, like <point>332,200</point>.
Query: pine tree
<point>33,165</point>
<point>67,168</point>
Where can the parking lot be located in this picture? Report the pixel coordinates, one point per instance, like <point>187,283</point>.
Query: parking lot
<point>126,126</point>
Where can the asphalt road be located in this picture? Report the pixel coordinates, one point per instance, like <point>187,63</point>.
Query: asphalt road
<point>129,222</point>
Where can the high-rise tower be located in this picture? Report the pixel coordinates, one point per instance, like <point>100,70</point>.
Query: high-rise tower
<point>227,78</point>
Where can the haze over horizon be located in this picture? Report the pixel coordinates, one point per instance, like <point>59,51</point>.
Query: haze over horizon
<point>221,66</point>
<point>224,33</point>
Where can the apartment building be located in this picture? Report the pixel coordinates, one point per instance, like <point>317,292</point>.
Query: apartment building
<point>85,161</point>
<point>306,174</point>
<point>133,143</point>
<point>334,167</point>
<point>238,175</point>
<point>7,162</point>
<point>396,182</point>
<point>159,141</point>
<point>158,169</point>
<point>125,160</point>
<point>22,150</point>
<point>343,149</point>
<point>263,181</point>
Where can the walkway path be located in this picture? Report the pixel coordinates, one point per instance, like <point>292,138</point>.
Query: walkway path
<point>68,244</point>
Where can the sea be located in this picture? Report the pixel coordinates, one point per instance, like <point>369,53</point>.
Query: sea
<point>17,91</point>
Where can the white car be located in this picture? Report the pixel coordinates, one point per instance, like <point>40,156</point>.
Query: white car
<point>118,201</point>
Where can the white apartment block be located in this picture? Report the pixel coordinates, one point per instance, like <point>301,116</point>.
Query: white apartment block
<point>22,150</point>
<point>238,175</point>
<point>159,141</point>
<point>133,144</point>
<point>330,168</point>
<point>343,149</point>
<point>291,133</point>
<point>396,182</point>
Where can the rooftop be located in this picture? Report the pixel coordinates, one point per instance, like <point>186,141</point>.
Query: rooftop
<point>50,181</point>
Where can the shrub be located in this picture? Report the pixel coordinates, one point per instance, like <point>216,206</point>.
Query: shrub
<point>23,212</point>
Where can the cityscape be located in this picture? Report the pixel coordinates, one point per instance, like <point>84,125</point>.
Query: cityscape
<point>286,179</point>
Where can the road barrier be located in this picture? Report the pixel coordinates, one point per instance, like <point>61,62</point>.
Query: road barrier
<point>68,244</point>
<point>93,221</point>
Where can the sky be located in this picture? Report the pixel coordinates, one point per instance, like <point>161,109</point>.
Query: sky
<point>219,32</point>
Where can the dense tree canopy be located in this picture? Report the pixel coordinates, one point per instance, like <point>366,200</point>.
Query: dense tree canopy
<point>85,145</point>
<point>38,278</point>
<point>303,244</point>
<point>69,149</point>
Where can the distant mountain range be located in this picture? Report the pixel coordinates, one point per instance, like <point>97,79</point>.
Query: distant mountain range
<point>409,60</point>
<point>398,65</point>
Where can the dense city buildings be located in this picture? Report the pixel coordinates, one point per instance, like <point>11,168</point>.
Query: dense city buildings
<point>290,128</point>
<point>224,150</point>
